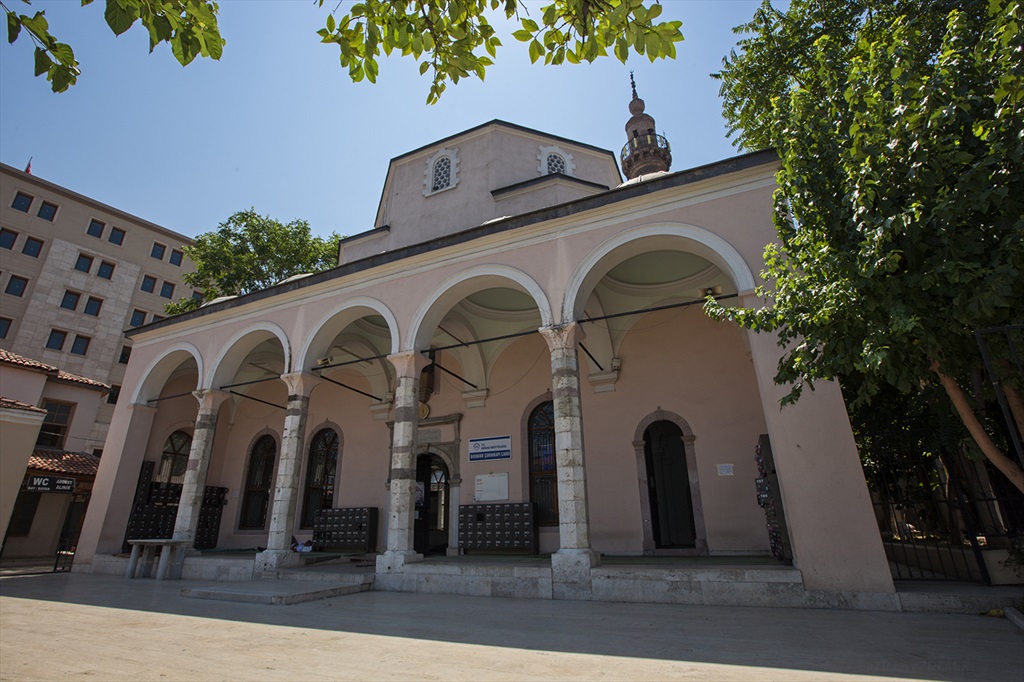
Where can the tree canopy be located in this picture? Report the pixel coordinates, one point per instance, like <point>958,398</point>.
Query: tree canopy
<point>249,252</point>
<point>454,38</point>
<point>900,207</point>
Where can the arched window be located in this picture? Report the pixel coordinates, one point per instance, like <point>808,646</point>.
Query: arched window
<point>174,459</point>
<point>442,175</point>
<point>543,475</point>
<point>256,500</point>
<point>323,465</point>
<point>556,164</point>
<point>441,171</point>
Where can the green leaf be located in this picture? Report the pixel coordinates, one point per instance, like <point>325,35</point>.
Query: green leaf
<point>536,50</point>
<point>120,15</point>
<point>13,26</point>
<point>42,62</point>
<point>522,35</point>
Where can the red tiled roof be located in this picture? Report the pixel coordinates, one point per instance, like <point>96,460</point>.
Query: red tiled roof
<point>12,404</point>
<point>60,462</point>
<point>28,363</point>
<point>15,359</point>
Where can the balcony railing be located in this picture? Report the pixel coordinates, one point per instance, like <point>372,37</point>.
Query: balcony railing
<point>644,141</point>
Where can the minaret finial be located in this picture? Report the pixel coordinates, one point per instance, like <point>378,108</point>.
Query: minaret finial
<point>632,84</point>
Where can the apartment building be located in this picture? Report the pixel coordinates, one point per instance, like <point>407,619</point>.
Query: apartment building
<point>76,273</point>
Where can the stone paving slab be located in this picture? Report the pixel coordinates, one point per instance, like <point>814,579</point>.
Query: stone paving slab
<point>75,626</point>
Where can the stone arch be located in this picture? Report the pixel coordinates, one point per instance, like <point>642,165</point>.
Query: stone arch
<point>335,321</point>
<point>234,352</point>
<point>457,287</point>
<point>698,241</point>
<point>161,368</point>
<point>658,415</point>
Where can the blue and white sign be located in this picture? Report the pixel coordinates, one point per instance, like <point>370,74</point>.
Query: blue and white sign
<point>495,447</point>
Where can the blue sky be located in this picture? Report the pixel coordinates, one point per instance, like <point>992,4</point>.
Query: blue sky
<point>276,124</point>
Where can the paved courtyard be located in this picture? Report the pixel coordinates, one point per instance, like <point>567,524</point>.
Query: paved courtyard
<point>61,626</point>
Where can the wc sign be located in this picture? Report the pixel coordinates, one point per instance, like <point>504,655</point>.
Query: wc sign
<point>49,484</point>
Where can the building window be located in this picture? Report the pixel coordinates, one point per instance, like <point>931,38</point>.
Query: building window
<point>138,318</point>
<point>198,296</point>
<point>543,475</point>
<point>55,425</point>
<point>167,290</point>
<point>554,159</point>
<point>323,465</point>
<point>70,300</point>
<point>174,459</point>
<point>157,318</point>
<point>47,211</point>
<point>257,484</point>
<point>22,202</point>
<point>23,514</point>
<point>93,305</point>
<point>126,354</point>
<point>115,393</point>
<point>33,247</point>
<point>95,228</point>
<point>556,164</point>
<point>16,285</point>
<point>80,345</point>
<point>148,283</point>
<point>442,172</point>
<point>106,270</point>
<point>5,327</point>
<point>56,339</point>
<point>84,263</point>
<point>158,251</point>
<point>7,238</point>
<point>176,257</point>
<point>97,452</point>
<point>116,236</point>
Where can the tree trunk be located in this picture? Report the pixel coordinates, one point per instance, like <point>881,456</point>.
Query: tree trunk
<point>956,395</point>
<point>1016,407</point>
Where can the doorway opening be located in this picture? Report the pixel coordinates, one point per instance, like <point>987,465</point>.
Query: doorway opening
<point>430,527</point>
<point>668,485</point>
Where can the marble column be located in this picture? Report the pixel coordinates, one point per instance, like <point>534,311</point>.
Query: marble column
<point>571,565</point>
<point>454,486</point>
<point>187,521</point>
<point>402,487</point>
<point>286,487</point>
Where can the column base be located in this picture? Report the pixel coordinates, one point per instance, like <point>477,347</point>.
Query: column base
<point>570,573</point>
<point>273,559</point>
<point>393,561</point>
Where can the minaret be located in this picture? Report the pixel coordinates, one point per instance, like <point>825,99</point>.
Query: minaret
<point>645,151</point>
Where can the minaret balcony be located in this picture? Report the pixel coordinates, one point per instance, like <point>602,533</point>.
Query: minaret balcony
<point>648,141</point>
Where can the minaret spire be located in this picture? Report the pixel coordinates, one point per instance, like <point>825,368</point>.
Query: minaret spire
<point>645,150</point>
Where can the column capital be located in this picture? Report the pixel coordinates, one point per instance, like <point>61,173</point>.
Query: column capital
<point>409,363</point>
<point>560,336</point>
<point>210,398</point>
<point>300,383</point>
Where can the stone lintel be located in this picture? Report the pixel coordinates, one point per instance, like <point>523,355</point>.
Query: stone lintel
<point>476,398</point>
<point>380,411</point>
<point>603,382</point>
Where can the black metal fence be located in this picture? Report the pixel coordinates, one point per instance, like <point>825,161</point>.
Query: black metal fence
<point>946,518</point>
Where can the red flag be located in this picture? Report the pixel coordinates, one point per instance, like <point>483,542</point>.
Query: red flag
<point>28,168</point>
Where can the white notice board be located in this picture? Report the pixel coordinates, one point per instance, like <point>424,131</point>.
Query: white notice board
<point>491,487</point>
<point>493,447</point>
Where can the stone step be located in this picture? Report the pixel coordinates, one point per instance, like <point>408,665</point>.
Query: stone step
<point>936,597</point>
<point>276,591</point>
<point>330,573</point>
